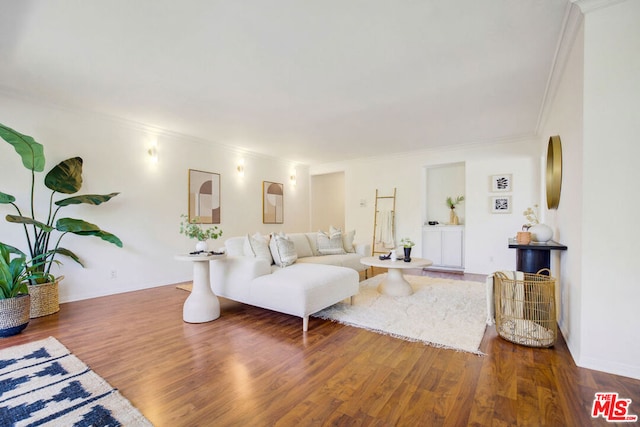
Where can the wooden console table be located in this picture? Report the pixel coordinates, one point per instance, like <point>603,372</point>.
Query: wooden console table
<point>533,257</point>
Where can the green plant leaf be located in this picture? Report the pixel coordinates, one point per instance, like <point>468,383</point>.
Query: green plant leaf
<point>68,253</point>
<point>30,221</point>
<point>72,225</point>
<point>6,198</point>
<point>12,272</point>
<point>104,235</point>
<point>21,288</point>
<point>83,228</point>
<point>6,278</point>
<point>66,176</point>
<point>30,151</point>
<point>17,266</point>
<point>13,250</point>
<point>91,199</point>
<point>4,291</point>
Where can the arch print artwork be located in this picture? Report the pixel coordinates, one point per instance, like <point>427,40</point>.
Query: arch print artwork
<point>204,197</point>
<point>272,203</point>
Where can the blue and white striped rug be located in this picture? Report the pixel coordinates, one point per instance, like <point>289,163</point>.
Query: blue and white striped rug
<point>43,384</point>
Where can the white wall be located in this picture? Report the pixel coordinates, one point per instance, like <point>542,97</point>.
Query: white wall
<point>596,112</point>
<point>610,285</point>
<point>146,214</point>
<point>565,119</point>
<point>486,234</point>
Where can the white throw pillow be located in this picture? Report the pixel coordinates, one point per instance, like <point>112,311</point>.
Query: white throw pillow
<point>312,239</point>
<point>259,247</point>
<point>347,241</point>
<point>330,243</point>
<point>283,250</point>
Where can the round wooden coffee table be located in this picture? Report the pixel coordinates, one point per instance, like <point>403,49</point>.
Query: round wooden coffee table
<point>395,284</point>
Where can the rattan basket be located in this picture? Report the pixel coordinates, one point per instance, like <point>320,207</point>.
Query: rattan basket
<point>14,315</point>
<point>44,298</point>
<point>526,308</point>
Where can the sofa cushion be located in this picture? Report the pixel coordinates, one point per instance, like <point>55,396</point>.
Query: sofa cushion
<point>235,246</point>
<point>258,247</point>
<point>330,243</point>
<point>347,241</point>
<point>341,260</point>
<point>303,249</point>
<point>303,289</point>
<point>312,239</point>
<point>283,250</point>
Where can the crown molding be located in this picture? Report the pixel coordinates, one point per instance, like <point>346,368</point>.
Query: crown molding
<point>574,15</point>
<point>572,22</point>
<point>587,6</point>
<point>156,131</point>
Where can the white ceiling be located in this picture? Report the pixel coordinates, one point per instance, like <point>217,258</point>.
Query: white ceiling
<point>311,81</point>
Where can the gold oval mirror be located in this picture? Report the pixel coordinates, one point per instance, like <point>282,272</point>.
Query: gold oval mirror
<point>554,172</point>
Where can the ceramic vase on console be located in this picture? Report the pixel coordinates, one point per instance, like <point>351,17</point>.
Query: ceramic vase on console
<point>202,246</point>
<point>541,233</point>
<point>407,254</point>
<point>453,218</point>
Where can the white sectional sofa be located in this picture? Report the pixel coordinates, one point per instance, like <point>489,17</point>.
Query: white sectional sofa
<point>299,283</point>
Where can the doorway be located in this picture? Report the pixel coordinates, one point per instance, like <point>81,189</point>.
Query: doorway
<point>327,201</point>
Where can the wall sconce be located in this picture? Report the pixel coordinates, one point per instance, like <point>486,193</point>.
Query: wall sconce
<point>153,154</point>
<point>240,168</point>
<point>293,178</point>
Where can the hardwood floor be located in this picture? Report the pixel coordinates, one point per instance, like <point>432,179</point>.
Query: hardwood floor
<point>254,367</point>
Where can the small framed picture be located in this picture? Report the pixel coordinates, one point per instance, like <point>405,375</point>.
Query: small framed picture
<point>501,204</point>
<point>272,203</point>
<point>501,183</point>
<point>204,197</point>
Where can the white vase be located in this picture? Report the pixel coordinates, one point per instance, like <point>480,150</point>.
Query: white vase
<point>202,246</point>
<point>541,233</point>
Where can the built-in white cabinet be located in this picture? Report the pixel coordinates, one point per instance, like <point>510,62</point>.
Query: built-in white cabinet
<point>444,245</point>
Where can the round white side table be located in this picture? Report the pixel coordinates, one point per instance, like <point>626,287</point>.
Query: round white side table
<point>395,284</point>
<point>202,304</point>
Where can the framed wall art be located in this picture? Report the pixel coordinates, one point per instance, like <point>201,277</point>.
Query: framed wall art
<point>204,197</point>
<point>501,204</point>
<point>272,203</point>
<point>501,183</point>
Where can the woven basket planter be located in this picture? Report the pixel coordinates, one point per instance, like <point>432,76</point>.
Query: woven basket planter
<point>44,298</point>
<point>14,315</point>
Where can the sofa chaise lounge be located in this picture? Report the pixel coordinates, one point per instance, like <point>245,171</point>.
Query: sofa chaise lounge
<point>301,281</point>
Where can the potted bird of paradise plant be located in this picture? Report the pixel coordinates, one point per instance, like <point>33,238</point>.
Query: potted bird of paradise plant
<point>43,237</point>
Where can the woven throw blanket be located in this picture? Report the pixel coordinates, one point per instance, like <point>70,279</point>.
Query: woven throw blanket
<point>42,383</point>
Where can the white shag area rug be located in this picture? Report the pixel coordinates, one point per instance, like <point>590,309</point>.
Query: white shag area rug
<point>441,312</point>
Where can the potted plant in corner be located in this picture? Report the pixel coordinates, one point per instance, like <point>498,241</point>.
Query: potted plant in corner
<point>407,244</point>
<point>43,237</point>
<point>194,230</point>
<point>14,292</point>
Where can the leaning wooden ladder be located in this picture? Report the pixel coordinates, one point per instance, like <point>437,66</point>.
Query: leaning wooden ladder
<point>376,217</point>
